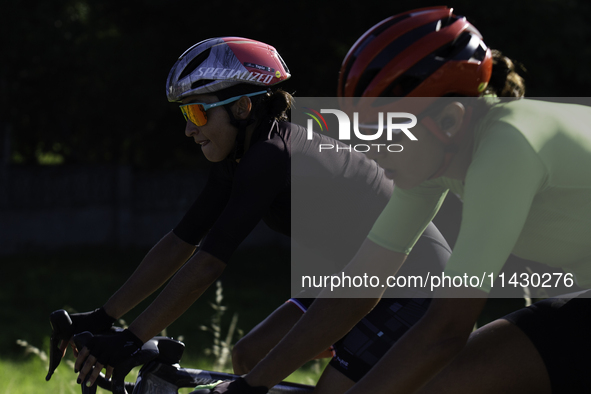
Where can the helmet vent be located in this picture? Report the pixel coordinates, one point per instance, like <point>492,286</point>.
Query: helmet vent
<point>200,83</point>
<point>193,64</point>
<point>352,61</point>
<point>389,24</point>
<point>464,47</point>
<point>415,75</point>
<point>390,52</point>
<point>480,52</point>
<point>367,40</point>
<point>402,86</point>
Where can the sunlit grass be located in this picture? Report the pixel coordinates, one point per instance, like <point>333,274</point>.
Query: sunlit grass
<point>59,280</point>
<point>27,375</point>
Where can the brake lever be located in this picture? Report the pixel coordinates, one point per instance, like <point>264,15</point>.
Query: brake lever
<point>61,330</point>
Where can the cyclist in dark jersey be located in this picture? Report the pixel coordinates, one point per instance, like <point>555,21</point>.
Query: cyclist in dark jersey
<point>223,87</point>
<point>523,169</point>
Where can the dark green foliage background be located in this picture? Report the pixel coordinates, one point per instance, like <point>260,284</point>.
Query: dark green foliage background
<point>32,285</point>
<point>85,79</point>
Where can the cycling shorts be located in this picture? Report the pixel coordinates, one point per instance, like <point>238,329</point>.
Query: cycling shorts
<point>358,351</point>
<point>559,328</point>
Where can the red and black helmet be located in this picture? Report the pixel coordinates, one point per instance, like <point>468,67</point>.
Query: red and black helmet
<point>428,52</point>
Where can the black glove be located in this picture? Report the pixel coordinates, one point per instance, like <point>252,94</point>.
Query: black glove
<point>239,386</point>
<point>114,349</point>
<point>95,322</point>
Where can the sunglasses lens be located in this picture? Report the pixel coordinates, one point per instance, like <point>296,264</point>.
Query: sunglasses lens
<point>195,113</point>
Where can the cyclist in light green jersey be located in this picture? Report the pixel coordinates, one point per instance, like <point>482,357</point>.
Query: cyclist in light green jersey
<point>523,170</point>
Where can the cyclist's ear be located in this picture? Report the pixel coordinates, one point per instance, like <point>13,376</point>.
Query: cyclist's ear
<point>451,118</point>
<point>242,108</point>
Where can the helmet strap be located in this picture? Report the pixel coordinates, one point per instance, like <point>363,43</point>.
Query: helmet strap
<point>241,124</point>
<point>452,144</point>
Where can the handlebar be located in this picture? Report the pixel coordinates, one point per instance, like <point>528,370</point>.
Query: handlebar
<point>160,357</point>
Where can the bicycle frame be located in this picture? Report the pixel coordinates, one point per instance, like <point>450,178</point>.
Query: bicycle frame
<point>158,378</point>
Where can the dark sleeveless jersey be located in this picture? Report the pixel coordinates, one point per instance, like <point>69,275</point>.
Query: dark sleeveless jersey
<point>330,199</point>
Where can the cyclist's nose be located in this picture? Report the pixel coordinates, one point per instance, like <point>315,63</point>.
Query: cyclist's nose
<point>190,129</point>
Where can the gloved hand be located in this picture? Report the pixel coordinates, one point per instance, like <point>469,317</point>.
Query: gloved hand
<point>239,386</point>
<point>106,350</point>
<point>96,322</point>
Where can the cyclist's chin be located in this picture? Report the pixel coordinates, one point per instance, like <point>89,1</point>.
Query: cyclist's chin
<point>213,154</point>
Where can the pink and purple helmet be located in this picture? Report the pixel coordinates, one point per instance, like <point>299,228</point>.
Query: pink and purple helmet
<point>219,63</point>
